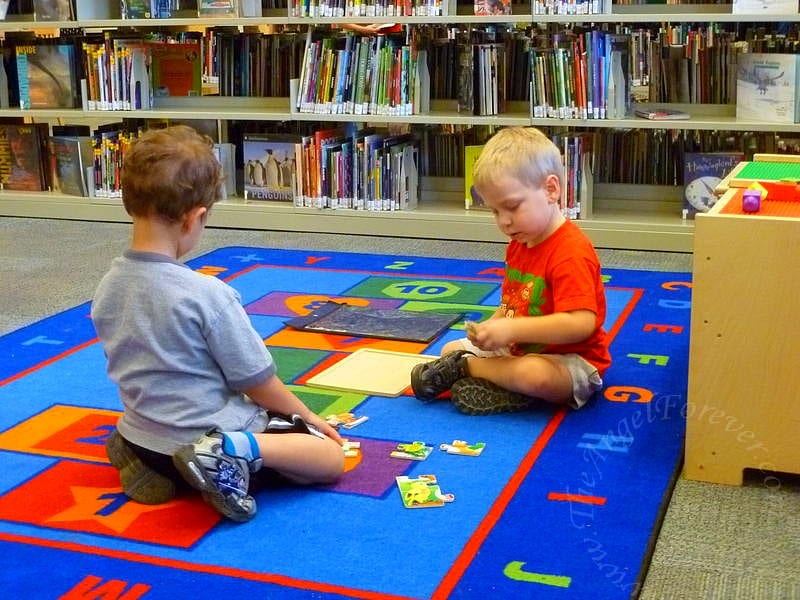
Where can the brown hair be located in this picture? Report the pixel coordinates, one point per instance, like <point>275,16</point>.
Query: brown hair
<point>168,172</point>
<point>524,153</point>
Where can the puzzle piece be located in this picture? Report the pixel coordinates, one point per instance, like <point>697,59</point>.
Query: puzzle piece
<point>346,420</point>
<point>421,492</point>
<point>412,451</point>
<point>463,448</point>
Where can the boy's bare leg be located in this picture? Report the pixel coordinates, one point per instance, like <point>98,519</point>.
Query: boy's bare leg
<point>301,457</point>
<point>533,375</point>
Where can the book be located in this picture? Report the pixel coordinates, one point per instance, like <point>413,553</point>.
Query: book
<point>702,172</point>
<point>46,77</point>
<point>412,451</point>
<point>21,158</point>
<point>218,8</point>
<point>135,9</point>
<point>492,7</point>
<point>471,197</point>
<point>69,158</point>
<point>661,114</point>
<point>379,323</point>
<point>766,87</point>
<point>421,492</point>
<point>4,9</point>
<point>764,7</point>
<point>270,166</point>
<point>176,69</point>
<point>225,154</point>
<point>52,10</point>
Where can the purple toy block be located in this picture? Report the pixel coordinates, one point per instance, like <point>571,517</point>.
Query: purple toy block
<point>751,201</point>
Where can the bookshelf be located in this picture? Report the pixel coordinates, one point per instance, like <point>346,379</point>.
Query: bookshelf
<point>625,217</point>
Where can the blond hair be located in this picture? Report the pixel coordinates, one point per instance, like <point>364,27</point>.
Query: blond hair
<point>168,172</point>
<point>524,153</point>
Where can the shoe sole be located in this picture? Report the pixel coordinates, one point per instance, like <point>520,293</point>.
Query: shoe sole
<point>185,460</point>
<point>139,482</point>
<point>476,399</point>
<point>416,383</point>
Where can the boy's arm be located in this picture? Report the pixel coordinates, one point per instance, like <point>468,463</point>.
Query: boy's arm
<point>556,328</point>
<point>273,395</point>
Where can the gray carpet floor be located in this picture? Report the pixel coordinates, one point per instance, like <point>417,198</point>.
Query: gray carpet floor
<point>716,542</point>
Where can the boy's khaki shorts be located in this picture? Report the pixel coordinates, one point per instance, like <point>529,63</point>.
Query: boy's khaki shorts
<point>585,378</point>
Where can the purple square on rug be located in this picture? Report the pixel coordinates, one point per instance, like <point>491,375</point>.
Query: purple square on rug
<point>375,474</point>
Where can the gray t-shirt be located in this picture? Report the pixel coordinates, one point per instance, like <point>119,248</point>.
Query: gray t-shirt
<point>181,348</point>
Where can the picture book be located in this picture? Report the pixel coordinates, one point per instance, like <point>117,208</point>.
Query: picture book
<point>52,10</point>
<point>661,114</point>
<point>225,154</point>
<point>766,87</point>
<point>69,158</point>
<point>471,197</point>
<point>412,451</point>
<point>46,77</point>
<point>4,9</point>
<point>21,158</point>
<point>492,7</point>
<point>176,69</point>
<point>135,9</point>
<point>270,167</point>
<point>702,172</point>
<point>217,8</point>
<point>382,323</point>
<point>421,492</point>
<point>463,448</point>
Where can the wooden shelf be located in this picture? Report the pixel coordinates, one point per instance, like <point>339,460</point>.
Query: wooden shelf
<point>659,13</point>
<point>443,219</point>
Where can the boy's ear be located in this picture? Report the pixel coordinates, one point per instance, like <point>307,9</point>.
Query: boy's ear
<point>552,187</point>
<point>196,215</point>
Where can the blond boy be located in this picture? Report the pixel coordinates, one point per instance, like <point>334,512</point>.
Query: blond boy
<point>546,341</point>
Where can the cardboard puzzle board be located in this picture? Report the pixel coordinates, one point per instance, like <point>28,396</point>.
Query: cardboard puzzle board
<point>370,371</point>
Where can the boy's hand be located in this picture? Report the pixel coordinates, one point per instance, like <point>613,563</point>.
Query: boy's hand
<point>321,424</point>
<point>492,334</point>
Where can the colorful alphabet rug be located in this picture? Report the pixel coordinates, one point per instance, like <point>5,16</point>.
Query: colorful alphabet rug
<point>558,504</point>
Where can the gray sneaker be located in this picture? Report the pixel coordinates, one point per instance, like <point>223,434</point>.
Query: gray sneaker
<point>430,379</point>
<point>222,479</point>
<point>476,396</point>
<point>139,481</point>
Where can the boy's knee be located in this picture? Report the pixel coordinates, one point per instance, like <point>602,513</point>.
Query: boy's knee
<point>333,463</point>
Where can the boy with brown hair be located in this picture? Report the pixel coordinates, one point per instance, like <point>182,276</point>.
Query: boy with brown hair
<point>546,340</point>
<point>202,401</point>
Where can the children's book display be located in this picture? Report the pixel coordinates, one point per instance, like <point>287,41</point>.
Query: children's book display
<point>383,323</point>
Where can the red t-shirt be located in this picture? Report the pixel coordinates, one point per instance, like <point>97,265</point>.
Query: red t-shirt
<point>559,274</point>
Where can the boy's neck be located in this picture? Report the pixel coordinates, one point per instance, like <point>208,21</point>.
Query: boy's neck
<point>557,219</point>
<point>152,235</point>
